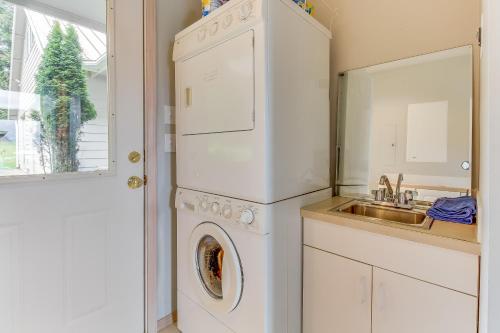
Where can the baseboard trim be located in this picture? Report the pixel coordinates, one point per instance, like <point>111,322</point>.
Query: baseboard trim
<point>167,321</point>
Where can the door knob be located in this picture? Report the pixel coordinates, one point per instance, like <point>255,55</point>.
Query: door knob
<point>135,182</point>
<point>134,157</point>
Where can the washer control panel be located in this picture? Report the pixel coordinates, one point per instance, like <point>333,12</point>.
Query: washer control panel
<point>217,208</point>
<point>226,208</point>
<point>232,17</point>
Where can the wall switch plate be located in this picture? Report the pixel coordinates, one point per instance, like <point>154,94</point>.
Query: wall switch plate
<point>169,114</point>
<point>169,143</point>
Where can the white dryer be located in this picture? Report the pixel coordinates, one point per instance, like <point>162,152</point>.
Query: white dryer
<point>252,92</point>
<point>239,263</point>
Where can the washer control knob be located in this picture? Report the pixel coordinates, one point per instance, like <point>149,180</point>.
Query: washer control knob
<point>227,212</point>
<point>247,216</point>
<point>204,204</point>
<point>215,208</point>
<point>245,10</point>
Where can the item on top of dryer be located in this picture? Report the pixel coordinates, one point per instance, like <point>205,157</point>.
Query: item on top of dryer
<point>305,5</point>
<point>209,6</point>
<point>206,7</point>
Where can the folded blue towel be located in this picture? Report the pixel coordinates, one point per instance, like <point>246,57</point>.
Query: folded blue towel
<point>458,210</point>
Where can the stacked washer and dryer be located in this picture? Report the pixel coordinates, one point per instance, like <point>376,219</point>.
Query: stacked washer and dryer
<point>252,92</point>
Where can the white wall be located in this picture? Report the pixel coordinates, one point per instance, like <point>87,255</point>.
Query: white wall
<point>173,16</point>
<point>489,194</point>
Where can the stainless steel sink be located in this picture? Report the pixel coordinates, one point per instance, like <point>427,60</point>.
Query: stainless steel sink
<point>414,218</point>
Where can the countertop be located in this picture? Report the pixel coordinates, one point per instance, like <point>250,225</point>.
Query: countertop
<point>453,236</point>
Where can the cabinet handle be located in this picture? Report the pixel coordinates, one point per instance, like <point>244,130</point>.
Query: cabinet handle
<point>189,96</point>
<point>381,299</point>
<point>364,289</point>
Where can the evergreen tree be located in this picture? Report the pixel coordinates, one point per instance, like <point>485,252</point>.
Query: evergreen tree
<point>65,105</point>
<point>6,16</point>
<point>77,82</point>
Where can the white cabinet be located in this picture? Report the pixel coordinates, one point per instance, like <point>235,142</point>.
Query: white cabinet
<point>358,281</point>
<point>337,294</point>
<point>403,304</point>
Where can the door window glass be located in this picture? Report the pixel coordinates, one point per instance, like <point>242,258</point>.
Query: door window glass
<point>53,88</point>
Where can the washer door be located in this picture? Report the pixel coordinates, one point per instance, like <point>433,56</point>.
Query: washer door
<point>216,267</point>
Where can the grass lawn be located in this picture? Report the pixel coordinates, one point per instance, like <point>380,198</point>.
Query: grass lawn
<point>7,155</point>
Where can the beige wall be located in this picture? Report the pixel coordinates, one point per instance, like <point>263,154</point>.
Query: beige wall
<point>369,32</point>
<point>173,16</point>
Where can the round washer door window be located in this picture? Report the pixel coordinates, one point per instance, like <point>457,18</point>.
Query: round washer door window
<point>217,267</point>
<point>210,259</point>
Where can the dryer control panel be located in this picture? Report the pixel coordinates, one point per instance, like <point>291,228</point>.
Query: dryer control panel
<point>224,23</point>
<point>248,215</point>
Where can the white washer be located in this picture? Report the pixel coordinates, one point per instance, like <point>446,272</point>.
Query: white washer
<point>239,263</point>
<point>252,92</point>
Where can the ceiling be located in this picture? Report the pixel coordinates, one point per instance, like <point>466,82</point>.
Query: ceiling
<point>90,13</point>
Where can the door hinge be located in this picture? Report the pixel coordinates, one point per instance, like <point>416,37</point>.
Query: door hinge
<point>145,180</point>
<point>479,35</point>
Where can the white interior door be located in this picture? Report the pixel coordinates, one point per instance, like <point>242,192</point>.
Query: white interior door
<point>71,236</point>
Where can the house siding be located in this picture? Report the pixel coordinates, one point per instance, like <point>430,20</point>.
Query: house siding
<point>93,144</point>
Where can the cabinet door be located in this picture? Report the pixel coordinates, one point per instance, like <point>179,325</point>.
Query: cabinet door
<point>405,305</point>
<point>337,294</point>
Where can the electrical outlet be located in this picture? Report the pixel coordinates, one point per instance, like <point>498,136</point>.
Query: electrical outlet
<point>169,115</point>
<point>169,143</point>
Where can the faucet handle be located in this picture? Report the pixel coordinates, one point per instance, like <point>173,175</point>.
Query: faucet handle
<point>379,195</point>
<point>410,195</point>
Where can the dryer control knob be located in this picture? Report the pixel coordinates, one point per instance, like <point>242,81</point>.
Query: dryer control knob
<point>247,216</point>
<point>214,28</point>
<point>227,212</point>
<point>227,21</point>
<point>215,208</point>
<point>246,10</point>
<point>202,34</point>
<point>204,204</point>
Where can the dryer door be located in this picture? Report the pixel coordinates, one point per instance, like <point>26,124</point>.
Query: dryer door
<point>217,268</point>
<point>216,88</point>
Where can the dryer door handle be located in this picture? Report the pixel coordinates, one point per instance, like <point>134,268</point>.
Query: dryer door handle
<point>189,96</point>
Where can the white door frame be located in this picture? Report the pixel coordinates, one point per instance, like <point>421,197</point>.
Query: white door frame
<point>150,147</point>
<point>489,189</point>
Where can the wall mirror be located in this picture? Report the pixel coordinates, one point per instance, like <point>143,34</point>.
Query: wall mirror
<point>411,116</point>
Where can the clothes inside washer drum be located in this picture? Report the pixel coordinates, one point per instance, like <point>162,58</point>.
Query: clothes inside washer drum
<point>210,261</point>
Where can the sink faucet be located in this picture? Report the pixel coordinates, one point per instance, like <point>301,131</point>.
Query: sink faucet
<point>384,180</point>
<point>387,196</point>
<point>398,187</point>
